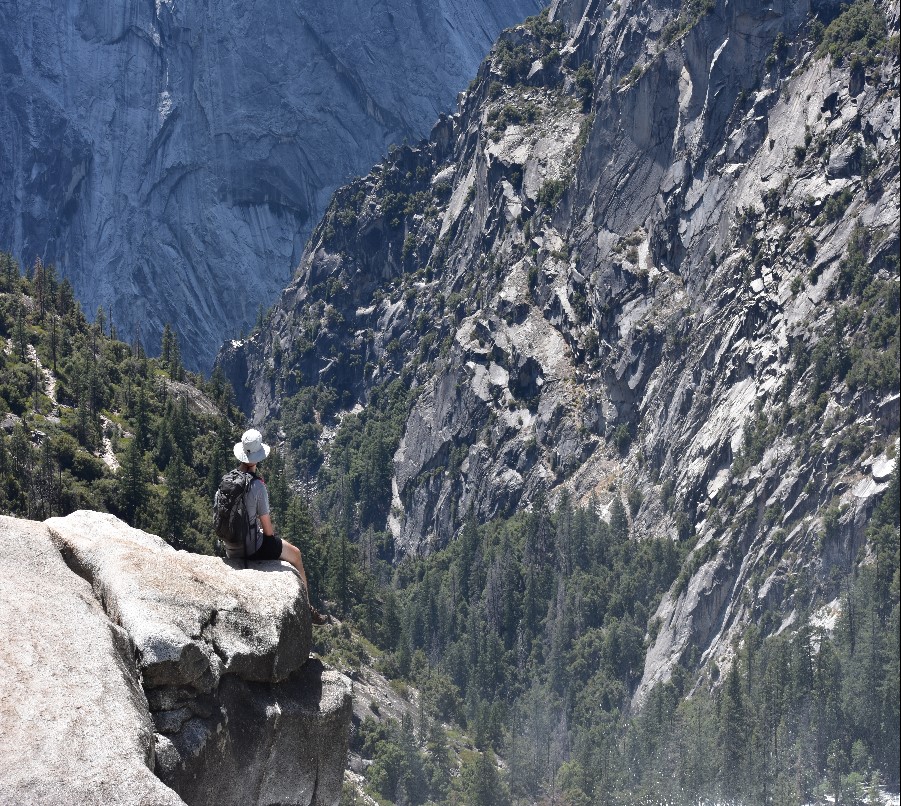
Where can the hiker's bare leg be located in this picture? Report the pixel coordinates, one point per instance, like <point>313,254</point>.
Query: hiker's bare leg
<point>292,555</point>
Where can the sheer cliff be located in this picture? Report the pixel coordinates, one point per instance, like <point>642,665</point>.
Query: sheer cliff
<point>172,158</point>
<point>653,256</point>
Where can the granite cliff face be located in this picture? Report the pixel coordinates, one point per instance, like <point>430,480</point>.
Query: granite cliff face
<point>653,255</point>
<point>133,673</point>
<point>172,158</point>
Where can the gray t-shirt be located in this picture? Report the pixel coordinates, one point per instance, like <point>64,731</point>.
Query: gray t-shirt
<point>257,502</point>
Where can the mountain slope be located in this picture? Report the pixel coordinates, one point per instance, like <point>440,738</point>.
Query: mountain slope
<point>168,153</point>
<point>653,257</point>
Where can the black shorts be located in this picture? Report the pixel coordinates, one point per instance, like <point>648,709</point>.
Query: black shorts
<point>271,549</point>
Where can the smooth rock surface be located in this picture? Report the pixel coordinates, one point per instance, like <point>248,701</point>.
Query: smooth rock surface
<point>74,723</point>
<point>172,158</point>
<point>191,617</point>
<point>232,709</point>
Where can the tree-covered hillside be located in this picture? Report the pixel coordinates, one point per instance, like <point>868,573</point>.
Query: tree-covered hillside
<point>533,632</point>
<point>90,422</point>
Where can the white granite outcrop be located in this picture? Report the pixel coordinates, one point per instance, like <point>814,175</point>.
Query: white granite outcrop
<point>124,658</point>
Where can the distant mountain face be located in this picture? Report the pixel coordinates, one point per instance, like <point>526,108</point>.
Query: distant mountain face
<point>653,256</point>
<point>172,158</point>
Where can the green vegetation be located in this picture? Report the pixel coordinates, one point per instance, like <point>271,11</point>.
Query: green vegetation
<point>584,80</point>
<point>513,62</point>
<point>507,624</point>
<point>835,206</point>
<point>861,345</point>
<point>549,32</point>
<point>531,634</point>
<point>106,428</point>
<point>780,48</point>
<point>354,483</point>
<point>550,193</point>
<point>512,114</point>
<point>689,14</point>
<point>856,36</point>
<point>633,75</point>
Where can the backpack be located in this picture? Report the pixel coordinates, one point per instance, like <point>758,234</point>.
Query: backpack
<point>231,522</point>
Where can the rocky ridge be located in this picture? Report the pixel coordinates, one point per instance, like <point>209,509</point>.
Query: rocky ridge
<point>159,661</point>
<point>170,152</point>
<point>653,255</point>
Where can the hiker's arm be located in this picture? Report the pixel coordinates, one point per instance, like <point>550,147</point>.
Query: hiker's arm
<point>266,523</point>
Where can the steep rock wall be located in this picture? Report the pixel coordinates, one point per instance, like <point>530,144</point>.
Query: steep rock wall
<point>172,158</point>
<point>647,258</point>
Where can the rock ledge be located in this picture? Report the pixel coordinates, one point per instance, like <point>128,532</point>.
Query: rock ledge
<point>158,661</point>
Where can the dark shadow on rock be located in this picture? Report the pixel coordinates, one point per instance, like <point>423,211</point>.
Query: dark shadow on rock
<point>269,566</point>
<point>301,724</point>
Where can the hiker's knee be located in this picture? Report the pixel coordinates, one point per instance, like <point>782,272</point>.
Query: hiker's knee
<point>290,552</point>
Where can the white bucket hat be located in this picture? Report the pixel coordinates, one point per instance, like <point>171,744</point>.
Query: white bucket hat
<point>251,449</point>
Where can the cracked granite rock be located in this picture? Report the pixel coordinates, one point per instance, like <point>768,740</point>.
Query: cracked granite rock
<point>159,661</point>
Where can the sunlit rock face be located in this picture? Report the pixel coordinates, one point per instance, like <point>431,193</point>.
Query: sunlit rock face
<point>171,158</point>
<point>615,273</point>
<point>131,673</point>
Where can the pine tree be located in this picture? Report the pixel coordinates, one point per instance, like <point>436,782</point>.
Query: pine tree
<point>277,483</point>
<point>54,341</point>
<point>51,284</point>
<point>164,446</point>
<point>40,286</point>
<point>174,509</point>
<point>132,483</point>
<point>141,417</point>
<point>22,456</point>
<point>391,623</point>
<point>183,430</point>
<point>83,418</point>
<point>100,320</point>
<point>36,387</point>
<point>6,275</point>
<point>45,488</point>
<point>65,298</point>
<point>176,370</point>
<point>340,572</point>
<point>482,782</point>
<point>732,734</point>
<point>219,460</point>
<point>619,524</point>
<point>166,346</point>
<point>20,336</point>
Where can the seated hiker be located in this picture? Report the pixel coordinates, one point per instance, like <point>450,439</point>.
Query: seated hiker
<point>262,543</point>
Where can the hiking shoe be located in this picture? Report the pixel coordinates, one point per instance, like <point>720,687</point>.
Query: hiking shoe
<point>317,618</point>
